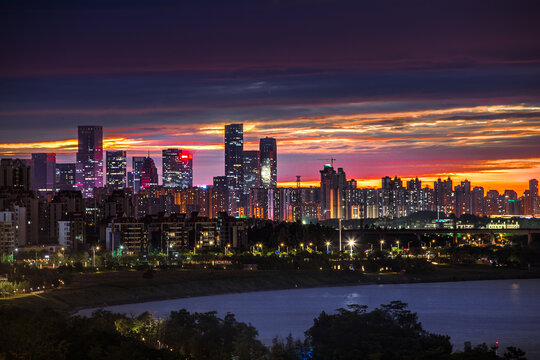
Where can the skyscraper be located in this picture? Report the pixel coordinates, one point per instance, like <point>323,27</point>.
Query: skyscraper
<point>234,161</point>
<point>219,196</point>
<point>90,159</point>
<point>43,172</point>
<point>137,163</point>
<point>252,170</point>
<point>534,207</point>
<point>268,154</point>
<point>66,176</point>
<point>149,174</point>
<point>116,169</point>
<point>328,186</point>
<point>177,168</point>
<point>187,163</point>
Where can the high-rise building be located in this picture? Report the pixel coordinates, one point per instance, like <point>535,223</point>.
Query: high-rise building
<point>177,168</point>
<point>43,172</point>
<point>328,186</point>
<point>116,169</point>
<point>477,201</point>
<point>172,168</point>
<point>510,202</point>
<point>219,196</point>
<point>66,176</point>
<point>494,204</point>
<point>234,164</point>
<point>252,170</point>
<point>15,173</point>
<point>414,196</point>
<point>444,196</point>
<point>463,199</point>
<point>268,155</point>
<point>90,159</point>
<point>534,207</point>
<point>137,165</point>
<point>187,164</point>
<point>149,174</point>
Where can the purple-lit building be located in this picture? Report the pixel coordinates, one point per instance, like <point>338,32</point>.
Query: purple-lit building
<point>43,172</point>
<point>90,159</point>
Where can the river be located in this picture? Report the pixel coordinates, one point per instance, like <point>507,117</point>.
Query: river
<point>507,311</point>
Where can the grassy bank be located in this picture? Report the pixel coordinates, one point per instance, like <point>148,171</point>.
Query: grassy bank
<point>108,288</point>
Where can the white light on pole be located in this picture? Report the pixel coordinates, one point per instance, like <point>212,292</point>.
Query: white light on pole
<point>351,244</point>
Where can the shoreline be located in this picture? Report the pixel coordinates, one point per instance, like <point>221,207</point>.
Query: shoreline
<point>100,290</point>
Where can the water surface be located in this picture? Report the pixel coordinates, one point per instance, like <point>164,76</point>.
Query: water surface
<point>507,311</point>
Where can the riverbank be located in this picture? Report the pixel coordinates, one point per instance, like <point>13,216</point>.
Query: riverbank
<point>123,287</point>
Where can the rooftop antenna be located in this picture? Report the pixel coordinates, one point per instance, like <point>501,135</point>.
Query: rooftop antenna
<point>332,159</point>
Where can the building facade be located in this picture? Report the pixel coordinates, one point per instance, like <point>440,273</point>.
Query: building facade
<point>90,159</point>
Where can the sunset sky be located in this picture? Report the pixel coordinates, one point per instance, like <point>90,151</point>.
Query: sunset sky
<point>406,88</point>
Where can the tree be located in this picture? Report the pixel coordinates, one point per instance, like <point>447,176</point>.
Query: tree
<point>390,331</point>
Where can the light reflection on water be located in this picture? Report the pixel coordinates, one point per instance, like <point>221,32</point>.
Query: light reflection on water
<point>476,311</point>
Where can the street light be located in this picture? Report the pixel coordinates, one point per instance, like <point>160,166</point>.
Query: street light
<point>327,247</point>
<point>397,242</point>
<point>94,248</point>
<point>382,242</point>
<point>351,244</point>
<point>227,249</point>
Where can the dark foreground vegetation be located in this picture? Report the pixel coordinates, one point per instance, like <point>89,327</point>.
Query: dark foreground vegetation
<point>388,332</point>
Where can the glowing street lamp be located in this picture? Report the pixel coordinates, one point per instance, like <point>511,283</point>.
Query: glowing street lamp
<point>351,244</point>
<point>397,243</point>
<point>382,242</point>
<point>327,247</point>
<point>94,248</point>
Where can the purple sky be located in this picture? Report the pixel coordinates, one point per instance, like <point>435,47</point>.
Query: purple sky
<point>427,88</point>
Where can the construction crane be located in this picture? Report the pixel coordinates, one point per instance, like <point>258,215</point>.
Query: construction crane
<point>332,159</point>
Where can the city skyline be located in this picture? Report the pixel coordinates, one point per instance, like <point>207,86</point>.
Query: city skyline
<point>386,89</point>
<point>269,145</point>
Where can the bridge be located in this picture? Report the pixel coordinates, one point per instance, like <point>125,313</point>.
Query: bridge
<point>360,233</point>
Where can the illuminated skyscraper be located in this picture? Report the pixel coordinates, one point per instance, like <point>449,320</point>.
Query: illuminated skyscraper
<point>252,170</point>
<point>116,169</point>
<point>136,171</point>
<point>177,168</point>
<point>149,174</point>
<point>44,172</point>
<point>187,163</point>
<point>234,164</point>
<point>90,159</point>
<point>268,154</point>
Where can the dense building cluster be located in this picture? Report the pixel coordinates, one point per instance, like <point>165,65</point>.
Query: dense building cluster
<point>42,202</point>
